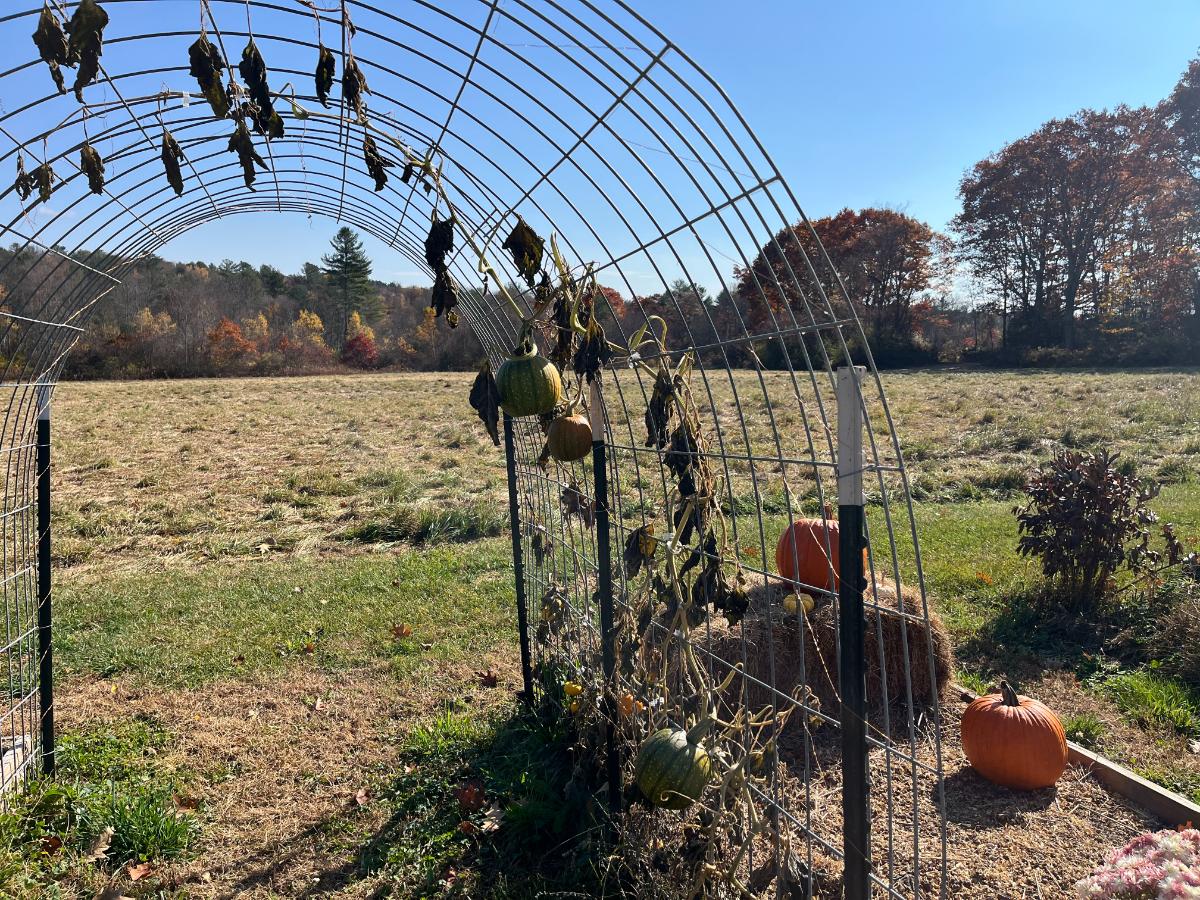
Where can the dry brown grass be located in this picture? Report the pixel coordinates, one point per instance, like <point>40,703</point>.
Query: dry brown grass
<point>195,470</point>
<point>192,470</point>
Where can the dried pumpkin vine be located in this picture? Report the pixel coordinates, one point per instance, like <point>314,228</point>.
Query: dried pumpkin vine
<point>672,582</point>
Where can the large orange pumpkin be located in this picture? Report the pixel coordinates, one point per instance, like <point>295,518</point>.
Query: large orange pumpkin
<point>1014,741</point>
<point>801,554</point>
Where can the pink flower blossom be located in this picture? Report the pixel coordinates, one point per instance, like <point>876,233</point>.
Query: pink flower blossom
<point>1163,865</point>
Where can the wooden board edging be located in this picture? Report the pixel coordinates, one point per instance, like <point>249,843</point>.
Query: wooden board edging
<point>1172,808</point>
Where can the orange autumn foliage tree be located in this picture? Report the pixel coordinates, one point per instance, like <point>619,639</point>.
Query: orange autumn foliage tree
<point>228,347</point>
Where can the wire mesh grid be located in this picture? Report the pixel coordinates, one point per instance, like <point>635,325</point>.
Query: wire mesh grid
<point>580,118</point>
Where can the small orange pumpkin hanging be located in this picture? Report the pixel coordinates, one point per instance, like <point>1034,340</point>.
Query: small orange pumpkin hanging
<point>1014,741</point>
<point>570,437</point>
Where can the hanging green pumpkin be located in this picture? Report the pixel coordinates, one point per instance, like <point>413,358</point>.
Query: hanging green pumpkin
<point>529,384</point>
<point>672,769</point>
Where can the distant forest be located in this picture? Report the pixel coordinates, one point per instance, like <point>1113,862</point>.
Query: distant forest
<point>1078,244</point>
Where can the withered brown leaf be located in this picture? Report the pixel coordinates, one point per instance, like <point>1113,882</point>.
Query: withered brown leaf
<point>593,352</point>
<point>208,68</point>
<point>171,157</point>
<point>485,400</point>
<point>639,549</point>
<point>25,183</point>
<point>439,243</point>
<point>254,71</point>
<point>86,43</point>
<point>93,166</point>
<point>377,164</point>
<point>660,409</point>
<point>444,298</point>
<point>576,503</point>
<point>326,72</point>
<point>243,145</point>
<point>526,249</point>
<point>43,176</point>
<point>52,45</point>
<point>542,546</point>
<point>354,85</point>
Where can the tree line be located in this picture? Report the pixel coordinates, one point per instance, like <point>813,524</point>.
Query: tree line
<point>1076,244</point>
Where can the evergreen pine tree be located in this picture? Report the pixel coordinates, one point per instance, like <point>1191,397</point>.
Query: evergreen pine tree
<point>348,271</point>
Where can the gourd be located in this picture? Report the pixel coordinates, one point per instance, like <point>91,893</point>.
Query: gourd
<point>672,769</point>
<point>570,437</point>
<point>528,383</point>
<point>801,555</point>
<point>1014,741</point>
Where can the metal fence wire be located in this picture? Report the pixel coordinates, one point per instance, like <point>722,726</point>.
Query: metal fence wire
<point>581,119</point>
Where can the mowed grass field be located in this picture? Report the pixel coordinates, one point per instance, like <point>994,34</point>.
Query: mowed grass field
<point>281,581</point>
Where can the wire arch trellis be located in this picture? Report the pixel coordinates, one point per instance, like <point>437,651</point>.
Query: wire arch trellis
<point>550,126</point>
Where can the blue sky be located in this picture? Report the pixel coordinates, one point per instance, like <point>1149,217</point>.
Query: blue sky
<point>879,103</point>
<point>860,104</point>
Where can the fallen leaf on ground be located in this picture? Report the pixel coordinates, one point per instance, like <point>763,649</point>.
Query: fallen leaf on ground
<point>492,819</point>
<point>470,797</point>
<point>52,844</point>
<point>401,631</point>
<point>140,871</point>
<point>98,848</point>
<point>488,679</point>
<point>185,804</point>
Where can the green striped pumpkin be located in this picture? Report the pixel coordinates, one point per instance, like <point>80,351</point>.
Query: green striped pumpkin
<point>670,770</point>
<point>529,384</point>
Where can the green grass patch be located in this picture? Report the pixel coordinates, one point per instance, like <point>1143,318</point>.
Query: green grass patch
<point>113,803</point>
<point>1181,781</point>
<point>229,620</point>
<point>1085,729</point>
<point>426,523</point>
<point>973,681</point>
<point>1148,698</point>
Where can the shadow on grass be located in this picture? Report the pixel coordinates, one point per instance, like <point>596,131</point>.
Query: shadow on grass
<point>480,806</point>
<point>1029,634</point>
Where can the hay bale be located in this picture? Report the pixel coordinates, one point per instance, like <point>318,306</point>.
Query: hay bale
<point>767,627</point>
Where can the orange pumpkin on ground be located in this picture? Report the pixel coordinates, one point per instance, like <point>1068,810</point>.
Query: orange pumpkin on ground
<point>1014,741</point>
<point>801,555</point>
